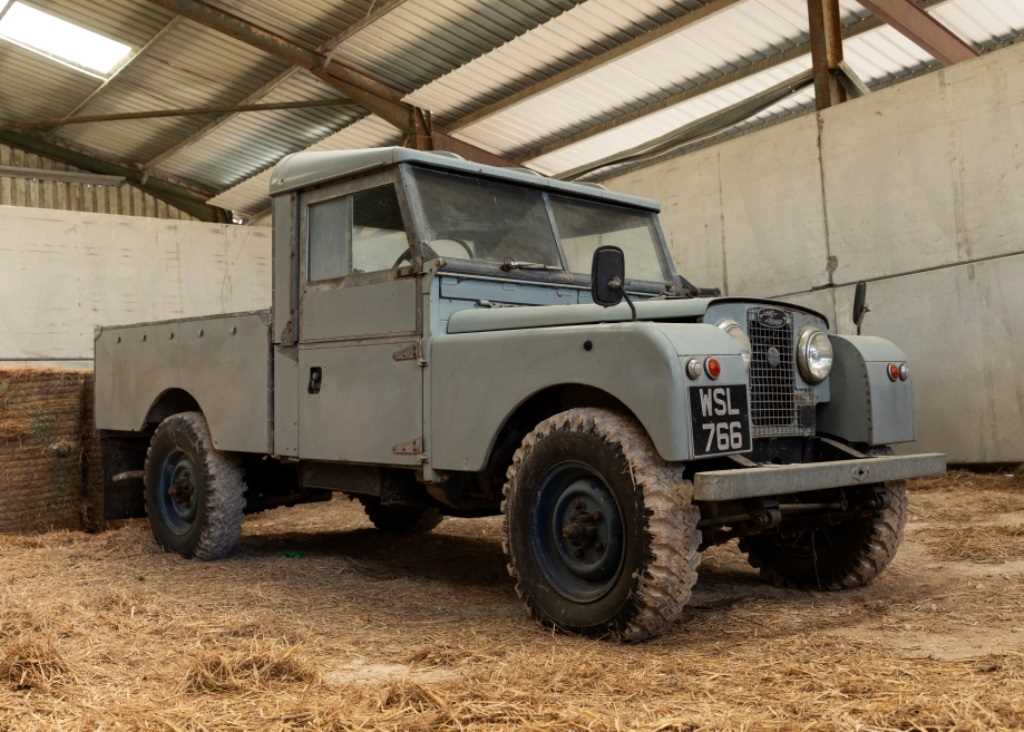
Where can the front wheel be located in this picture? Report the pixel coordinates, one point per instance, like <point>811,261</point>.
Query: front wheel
<point>600,534</point>
<point>840,557</point>
<point>195,495</point>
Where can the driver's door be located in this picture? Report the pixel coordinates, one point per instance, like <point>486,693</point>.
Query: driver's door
<point>360,381</point>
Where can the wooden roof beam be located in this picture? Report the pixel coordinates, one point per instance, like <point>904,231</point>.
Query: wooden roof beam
<point>923,29</point>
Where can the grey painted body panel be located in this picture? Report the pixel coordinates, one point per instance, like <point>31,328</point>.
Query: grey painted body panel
<point>866,407</point>
<point>470,321</point>
<point>304,170</point>
<point>223,362</point>
<point>348,309</point>
<point>773,480</point>
<point>286,401</point>
<point>285,269</point>
<point>477,380</point>
<point>369,409</point>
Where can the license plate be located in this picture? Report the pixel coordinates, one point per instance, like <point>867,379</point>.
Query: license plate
<point>721,422</point>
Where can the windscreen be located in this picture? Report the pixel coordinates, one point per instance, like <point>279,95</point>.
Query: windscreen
<point>476,218</point>
<point>583,226</point>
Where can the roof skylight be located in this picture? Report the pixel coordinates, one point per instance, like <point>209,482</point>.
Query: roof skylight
<point>60,40</point>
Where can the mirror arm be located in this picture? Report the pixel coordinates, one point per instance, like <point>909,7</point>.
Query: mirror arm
<point>629,301</point>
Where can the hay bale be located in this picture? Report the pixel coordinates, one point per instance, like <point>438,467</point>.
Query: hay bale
<point>49,452</point>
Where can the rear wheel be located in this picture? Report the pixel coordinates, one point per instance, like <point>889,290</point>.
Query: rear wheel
<point>402,520</point>
<point>599,532</point>
<point>848,555</point>
<point>195,495</point>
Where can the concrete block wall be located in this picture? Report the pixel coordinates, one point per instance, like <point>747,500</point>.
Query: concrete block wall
<point>916,189</point>
<point>64,272</point>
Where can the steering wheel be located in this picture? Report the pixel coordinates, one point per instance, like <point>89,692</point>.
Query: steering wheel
<point>407,254</point>
<point>461,242</point>
<point>404,256</point>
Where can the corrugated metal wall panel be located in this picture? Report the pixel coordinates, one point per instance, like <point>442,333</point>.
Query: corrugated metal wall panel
<point>125,199</point>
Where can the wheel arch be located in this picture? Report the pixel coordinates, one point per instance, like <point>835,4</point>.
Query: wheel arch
<point>534,409</point>
<point>169,402</point>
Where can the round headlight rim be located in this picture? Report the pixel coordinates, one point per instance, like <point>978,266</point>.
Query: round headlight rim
<point>807,335</point>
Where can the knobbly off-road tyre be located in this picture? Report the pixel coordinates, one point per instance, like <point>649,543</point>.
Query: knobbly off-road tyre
<point>401,520</point>
<point>578,480</point>
<point>840,557</point>
<point>195,495</point>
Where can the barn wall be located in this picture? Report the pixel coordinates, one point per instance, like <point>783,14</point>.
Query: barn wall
<point>916,189</point>
<point>125,199</point>
<point>65,272</point>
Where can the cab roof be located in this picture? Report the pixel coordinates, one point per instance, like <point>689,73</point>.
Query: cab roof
<point>307,169</point>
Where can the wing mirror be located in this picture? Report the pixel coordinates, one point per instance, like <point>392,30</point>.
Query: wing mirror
<point>608,278</point>
<point>860,304</point>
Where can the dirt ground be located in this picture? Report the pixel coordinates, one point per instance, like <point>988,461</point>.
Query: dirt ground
<point>322,623</point>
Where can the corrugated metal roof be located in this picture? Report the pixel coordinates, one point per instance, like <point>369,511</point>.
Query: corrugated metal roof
<point>34,86</point>
<point>311,23</point>
<point>569,38</point>
<point>744,33</point>
<point>423,39</point>
<point>251,196</point>
<point>452,57</point>
<point>228,154</point>
<point>189,66</point>
<point>130,21</point>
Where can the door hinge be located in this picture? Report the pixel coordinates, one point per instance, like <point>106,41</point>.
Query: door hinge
<point>412,447</point>
<point>412,352</point>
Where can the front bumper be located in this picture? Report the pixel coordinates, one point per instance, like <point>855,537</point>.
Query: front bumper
<point>777,480</point>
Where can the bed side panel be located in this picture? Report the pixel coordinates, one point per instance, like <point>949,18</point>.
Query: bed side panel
<point>223,362</point>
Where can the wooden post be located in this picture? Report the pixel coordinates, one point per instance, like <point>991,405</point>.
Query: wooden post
<point>826,51</point>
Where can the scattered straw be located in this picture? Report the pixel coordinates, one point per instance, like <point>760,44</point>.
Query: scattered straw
<point>32,663</point>
<point>983,544</point>
<point>256,668</point>
<point>362,632</point>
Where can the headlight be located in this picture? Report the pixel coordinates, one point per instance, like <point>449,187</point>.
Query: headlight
<point>736,331</point>
<point>814,355</point>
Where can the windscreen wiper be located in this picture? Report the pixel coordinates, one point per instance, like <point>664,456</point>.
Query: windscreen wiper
<point>509,264</point>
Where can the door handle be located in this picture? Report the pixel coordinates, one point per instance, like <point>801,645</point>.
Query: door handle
<point>316,379</point>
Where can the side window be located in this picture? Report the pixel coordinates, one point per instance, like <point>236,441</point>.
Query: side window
<point>378,234</point>
<point>330,238</point>
<point>363,232</point>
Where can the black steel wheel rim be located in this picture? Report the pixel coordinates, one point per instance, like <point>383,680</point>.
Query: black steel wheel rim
<point>178,492</point>
<point>577,533</point>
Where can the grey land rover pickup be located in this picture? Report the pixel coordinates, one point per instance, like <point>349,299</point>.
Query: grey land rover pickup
<point>454,339</point>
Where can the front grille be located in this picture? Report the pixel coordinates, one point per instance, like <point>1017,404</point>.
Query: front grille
<point>775,400</point>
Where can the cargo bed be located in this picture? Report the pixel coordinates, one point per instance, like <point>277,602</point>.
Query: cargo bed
<point>222,362</point>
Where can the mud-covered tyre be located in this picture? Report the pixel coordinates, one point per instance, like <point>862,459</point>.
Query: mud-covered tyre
<point>600,533</point>
<point>842,557</point>
<point>401,520</point>
<point>195,495</point>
